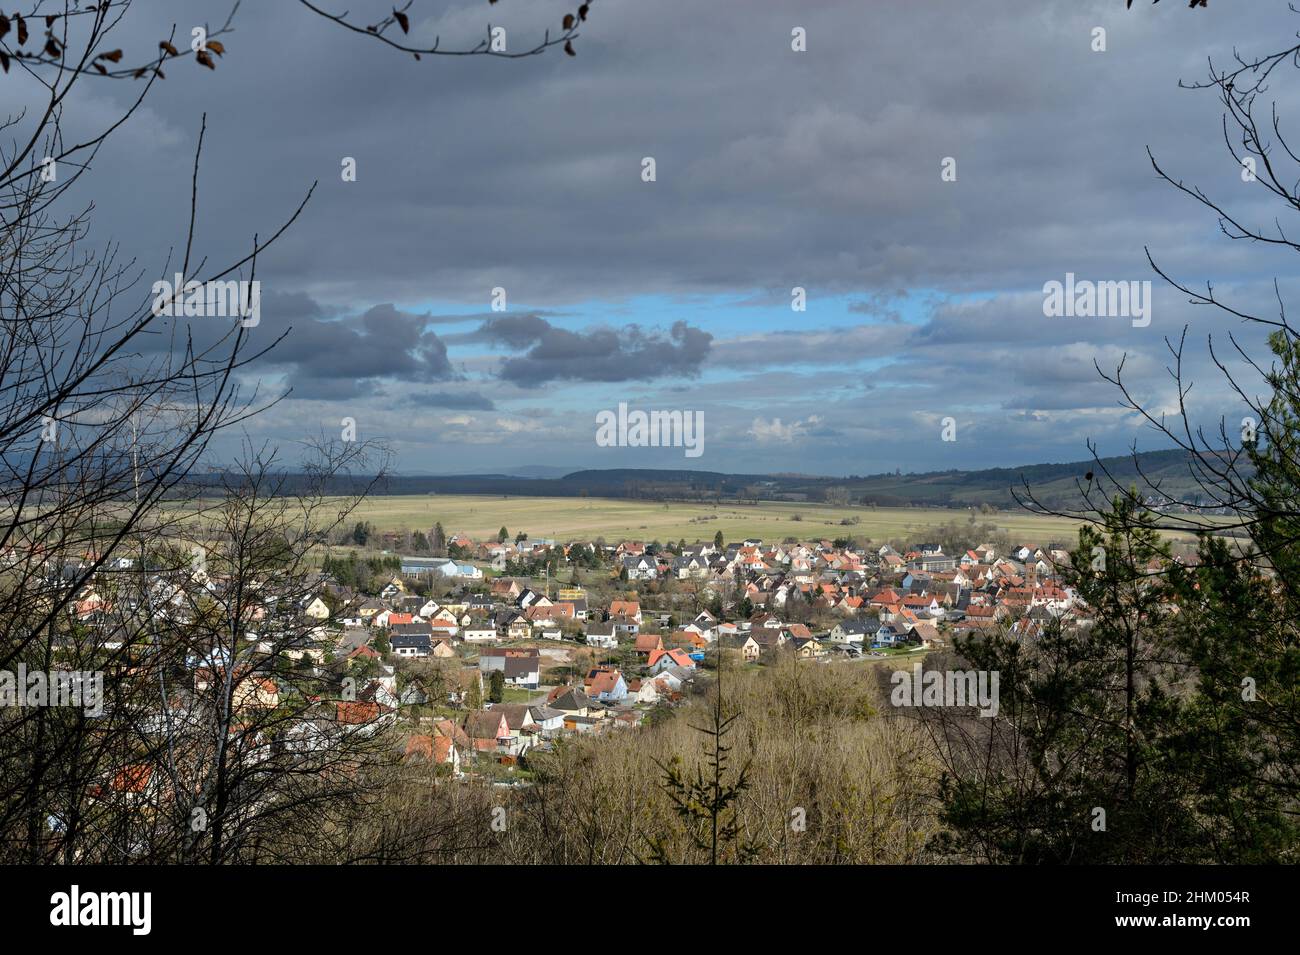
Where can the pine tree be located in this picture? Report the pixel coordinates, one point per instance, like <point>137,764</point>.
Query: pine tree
<point>706,802</point>
<point>1073,767</point>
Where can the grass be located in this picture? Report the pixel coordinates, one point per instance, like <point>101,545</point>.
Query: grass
<point>559,518</point>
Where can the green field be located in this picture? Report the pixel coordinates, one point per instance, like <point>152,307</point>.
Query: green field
<point>566,518</point>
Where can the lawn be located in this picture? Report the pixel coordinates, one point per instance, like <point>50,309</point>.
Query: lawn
<point>517,694</point>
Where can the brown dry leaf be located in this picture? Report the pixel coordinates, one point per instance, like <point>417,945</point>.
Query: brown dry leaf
<point>217,47</point>
<point>168,48</point>
<point>204,59</point>
<point>113,56</point>
<point>402,21</point>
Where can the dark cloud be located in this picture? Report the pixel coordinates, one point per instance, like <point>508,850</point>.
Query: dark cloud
<point>629,353</point>
<point>354,353</point>
<point>513,331</point>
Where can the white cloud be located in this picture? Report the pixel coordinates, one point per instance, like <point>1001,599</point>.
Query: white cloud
<point>777,432</point>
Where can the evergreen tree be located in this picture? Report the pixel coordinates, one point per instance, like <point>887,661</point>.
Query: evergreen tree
<point>1076,770</point>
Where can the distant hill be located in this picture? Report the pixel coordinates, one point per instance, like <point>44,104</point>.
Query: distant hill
<point>1054,484</point>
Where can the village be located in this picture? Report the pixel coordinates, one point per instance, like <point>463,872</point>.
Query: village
<point>472,662</point>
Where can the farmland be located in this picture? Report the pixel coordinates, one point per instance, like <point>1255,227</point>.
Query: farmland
<point>560,518</point>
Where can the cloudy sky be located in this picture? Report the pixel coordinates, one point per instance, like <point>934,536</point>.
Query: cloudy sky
<point>774,169</point>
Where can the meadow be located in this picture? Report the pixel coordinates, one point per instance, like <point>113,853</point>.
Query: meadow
<point>566,518</point>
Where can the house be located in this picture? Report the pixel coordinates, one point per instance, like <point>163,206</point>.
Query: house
<point>689,567</point>
<point>768,639</point>
<point>704,631</point>
<point>523,672</point>
<point>549,719</point>
<point>503,588</point>
<point>641,691</point>
<point>521,667</point>
<point>602,635</point>
<point>434,749</point>
<point>488,731</point>
<point>640,568</point>
<point>255,691</point>
<point>927,635</point>
<point>850,631</point>
<point>796,631</point>
<point>605,684</point>
<point>393,618</point>
<point>410,630</point>
<point>648,643</point>
<point>531,598</point>
<point>440,628</point>
<point>411,645</point>
<point>317,609</point>
<point>807,648</point>
<point>888,636</point>
<point>569,701</point>
<point>581,724</point>
<point>625,626</point>
<point>479,632</point>
<point>494,658</point>
<point>661,660</point>
<point>522,723</point>
<point>370,607</point>
<point>626,608</point>
<point>358,713</point>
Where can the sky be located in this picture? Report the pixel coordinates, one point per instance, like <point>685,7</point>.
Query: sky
<point>774,169</point>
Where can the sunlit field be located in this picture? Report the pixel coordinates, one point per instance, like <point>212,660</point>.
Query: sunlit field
<point>562,519</point>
